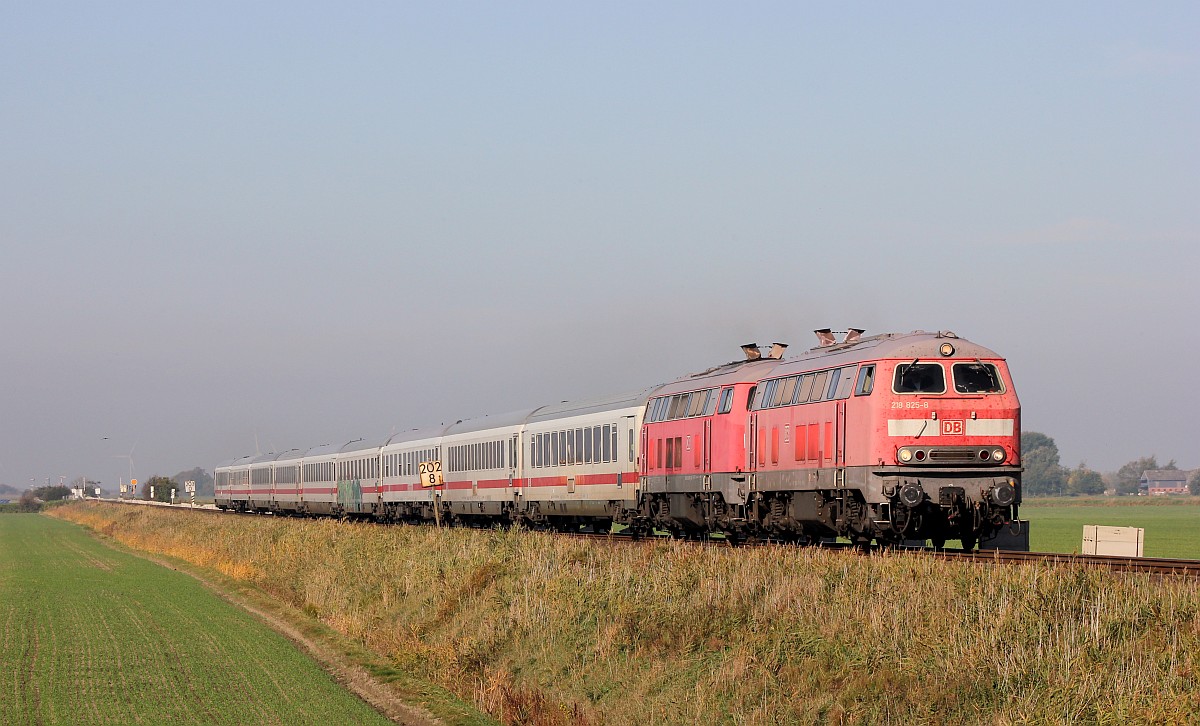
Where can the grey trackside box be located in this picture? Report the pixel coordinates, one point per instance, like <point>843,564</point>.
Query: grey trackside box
<point>1013,538</point>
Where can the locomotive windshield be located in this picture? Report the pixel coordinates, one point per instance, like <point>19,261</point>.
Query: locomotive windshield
<point>976,378</point>
<point>919,378</point>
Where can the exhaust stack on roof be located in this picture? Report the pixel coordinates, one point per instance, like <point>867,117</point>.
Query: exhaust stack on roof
<point>777,350</point>
<point>854,335</point>
<point>752,352</point>
<point>825,337</point>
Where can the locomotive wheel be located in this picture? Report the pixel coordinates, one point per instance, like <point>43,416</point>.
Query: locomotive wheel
<point>938,543</point>
<point>968,543</point>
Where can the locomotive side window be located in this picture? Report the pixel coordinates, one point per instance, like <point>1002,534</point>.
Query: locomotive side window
<point>818,389</point>
<point>845,383</point>
<point>789,390</point>
<point>804,388</point>
<point>712,403</point>
<point>919,378</point>
<point>977,378</point>
<point>866,381</point>
<point>699,400</point>
<point>768,390</point>
<point>726,401</point>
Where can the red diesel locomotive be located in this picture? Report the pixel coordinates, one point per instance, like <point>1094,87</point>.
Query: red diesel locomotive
<point>884,438</point>
<point>889,438</point>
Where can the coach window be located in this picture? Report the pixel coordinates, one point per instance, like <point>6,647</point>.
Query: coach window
<point>608,435</point>
<point>866,380</point>
<point>919,378</point>
<point>726,401</point>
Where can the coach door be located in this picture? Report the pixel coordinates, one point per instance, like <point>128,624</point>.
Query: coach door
<point>514,473</point>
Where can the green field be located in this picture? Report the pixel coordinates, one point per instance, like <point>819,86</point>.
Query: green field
<point>96,636</point>
<point>1172,525</point>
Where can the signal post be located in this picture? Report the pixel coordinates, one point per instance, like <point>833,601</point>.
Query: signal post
<point>431,478</point>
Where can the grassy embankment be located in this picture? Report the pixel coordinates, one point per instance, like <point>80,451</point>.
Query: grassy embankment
<point>91,635</point>
<point>540,629</point>
<point>1172,524</point>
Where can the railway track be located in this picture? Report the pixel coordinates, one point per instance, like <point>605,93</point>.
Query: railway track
<point>1149,565</point>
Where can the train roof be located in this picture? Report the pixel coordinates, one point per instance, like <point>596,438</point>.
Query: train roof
<point>909,346</point>
<point>512,418</point>
<point>413,435</point>
<point>322,450</point>
<point>361,445</point>
<point>742,371</point>
<point>290,455</point>
<point>594,405</point>
<point>263,458</point>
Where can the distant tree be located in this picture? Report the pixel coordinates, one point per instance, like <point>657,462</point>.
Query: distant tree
<point>1194,482</point>
<point>1128,475</point>
<point>29,502</point>
<point>1044,475</point>
<point>1084,481</point>
<point>52,493</point>
<point>161,487</point>
<point>204,481</point>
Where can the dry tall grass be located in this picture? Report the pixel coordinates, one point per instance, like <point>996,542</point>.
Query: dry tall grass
<point>537,629</point>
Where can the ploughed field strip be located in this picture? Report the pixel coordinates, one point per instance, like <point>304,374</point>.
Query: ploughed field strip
<point>96,636</point>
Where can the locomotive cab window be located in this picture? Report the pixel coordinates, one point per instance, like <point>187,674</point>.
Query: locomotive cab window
<point>919,378</point>
<point>977,378</point>
<point>726,401</point>
<point>866,381</point>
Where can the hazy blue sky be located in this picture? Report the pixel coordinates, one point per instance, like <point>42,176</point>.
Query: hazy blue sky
<point>312,222</point>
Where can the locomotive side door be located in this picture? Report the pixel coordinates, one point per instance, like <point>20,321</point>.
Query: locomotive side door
<point>752,448</point>
<point>707,444</point>
<point>839,446</point>
<point>644,454</point>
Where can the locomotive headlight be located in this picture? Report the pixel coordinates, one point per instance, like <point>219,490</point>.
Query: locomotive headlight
<point>998,455</point>
<point>946,350</point>
<point>1004,494</point>
<point>906,455</point>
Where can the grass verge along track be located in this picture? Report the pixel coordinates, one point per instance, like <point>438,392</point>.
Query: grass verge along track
<point>541,629</point>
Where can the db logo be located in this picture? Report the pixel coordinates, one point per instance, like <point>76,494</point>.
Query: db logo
<point>952,428</point>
